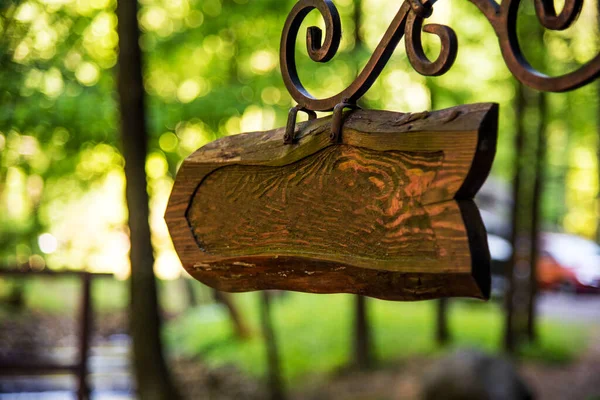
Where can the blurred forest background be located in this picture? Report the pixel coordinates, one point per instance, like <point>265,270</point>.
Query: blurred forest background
<point>211,69</point>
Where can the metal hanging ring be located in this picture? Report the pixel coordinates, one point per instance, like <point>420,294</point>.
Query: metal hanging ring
<point>337,120</point>
<point>290,129</point>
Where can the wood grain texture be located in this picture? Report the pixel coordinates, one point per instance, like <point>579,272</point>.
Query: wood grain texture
<point>243,210</point>
<point>387,213</point>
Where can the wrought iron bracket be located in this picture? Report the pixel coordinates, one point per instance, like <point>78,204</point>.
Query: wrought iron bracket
<point>409,22</point>
<point>290,128</point>
<point>337,120</point>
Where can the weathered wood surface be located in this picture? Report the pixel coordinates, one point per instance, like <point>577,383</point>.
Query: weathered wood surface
<point>387,213</point>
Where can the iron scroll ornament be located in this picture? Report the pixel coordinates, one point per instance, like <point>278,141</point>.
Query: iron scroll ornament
<point>409,21</point>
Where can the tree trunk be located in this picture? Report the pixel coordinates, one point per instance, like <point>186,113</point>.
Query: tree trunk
<point>239,325</point>
<point>563,168</point>
<point>598,150</point>
<point>276,390</point>
<point>538,155</point>
<point>357,16</point>
<point>190,293</point>
<point>363,358</point>
<point>538,189</point>
<point>598,156</point>
<point>151,374</point>
<point>442,333</point>
<point>509,331</point>
<point>16,297</point>
<point>598,128</point>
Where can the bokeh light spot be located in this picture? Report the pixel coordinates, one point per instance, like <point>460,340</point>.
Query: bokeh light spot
<point>87,73</point>
<point>188,91</point>
<point>168,141</point>
<point>48,243</point>
<point>263,61</point>
<point>156,165</point>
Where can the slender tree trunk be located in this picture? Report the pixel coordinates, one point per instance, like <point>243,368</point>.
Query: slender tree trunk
<point>598,154</point>
<point>16,297</point>
<point>598,149</point>
<point>563,168</point>
<point>276,390</point>
<point>538,155</point>
<point>538,190</point>
<point>358,42</point>
<point>239,325</point>
<point>509,331</point>
<point>598,126</point>
<point>442,332</point>
<point>190,293</point>
<point>363,357</point>
<point>151,374</point>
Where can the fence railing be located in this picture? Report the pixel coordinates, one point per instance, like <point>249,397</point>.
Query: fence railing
<point>86,316</point>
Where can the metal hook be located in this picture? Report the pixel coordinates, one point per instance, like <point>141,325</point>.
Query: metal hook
<point>336,122</point>
<point>290,129</point>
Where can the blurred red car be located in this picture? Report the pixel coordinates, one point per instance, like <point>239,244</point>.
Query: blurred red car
<point>569,263</point>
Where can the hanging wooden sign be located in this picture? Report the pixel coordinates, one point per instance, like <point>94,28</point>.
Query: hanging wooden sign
<point>379,204</point>
<point>386,211</point>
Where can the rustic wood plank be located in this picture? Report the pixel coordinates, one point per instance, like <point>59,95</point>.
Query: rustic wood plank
<point>387,213</point>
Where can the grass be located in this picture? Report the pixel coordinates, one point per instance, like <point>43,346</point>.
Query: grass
<point>314,333</point>
<point>59,295</point>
